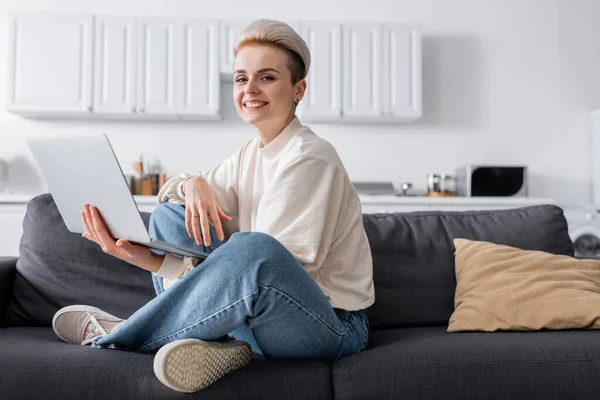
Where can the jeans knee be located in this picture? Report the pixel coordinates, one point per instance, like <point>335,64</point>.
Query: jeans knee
<point>255,240</point>
<point>166,215</point>
<point>261,249</point>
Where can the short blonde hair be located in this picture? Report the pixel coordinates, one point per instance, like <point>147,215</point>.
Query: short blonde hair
<point>282,36</point>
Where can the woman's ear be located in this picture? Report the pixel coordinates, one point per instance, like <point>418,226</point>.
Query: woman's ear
<point>300,89</point>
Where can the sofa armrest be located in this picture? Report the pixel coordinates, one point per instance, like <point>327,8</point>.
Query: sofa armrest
<point>8,271</point>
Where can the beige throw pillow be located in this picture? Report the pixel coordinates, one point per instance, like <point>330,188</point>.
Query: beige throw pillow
<point>505,288</point>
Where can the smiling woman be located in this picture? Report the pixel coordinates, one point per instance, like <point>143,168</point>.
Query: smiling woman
<point>289,273</point>
<point>271,62</point>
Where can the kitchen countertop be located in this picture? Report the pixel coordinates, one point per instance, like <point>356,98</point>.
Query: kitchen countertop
<point>365,199</point>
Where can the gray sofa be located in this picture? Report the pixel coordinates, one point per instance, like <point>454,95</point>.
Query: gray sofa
<point>410,355</point>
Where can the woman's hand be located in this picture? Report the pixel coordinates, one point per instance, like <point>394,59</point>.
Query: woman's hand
<point>97,232</point>
<point>200,207</point>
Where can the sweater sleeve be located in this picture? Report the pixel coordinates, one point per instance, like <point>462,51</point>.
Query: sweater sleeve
<point>223,179</point>
<point>173,267</point>
<point>301,207</point>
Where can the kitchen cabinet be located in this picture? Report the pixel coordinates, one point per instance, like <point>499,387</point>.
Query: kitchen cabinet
<point>115,67</point>
<point>50,68</point>
<point>401,73</point>
<point>323,98</point>
<point>178,73</point>
<point>198,96</point>
<point>361,70</point>
<point>150,68</point>
<point>172,68</point>
<point>157,60</point>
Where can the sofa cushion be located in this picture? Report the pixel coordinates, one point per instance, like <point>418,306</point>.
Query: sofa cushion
<point>413,255</point>
<point>429,363</point>
<point>38,365</point>
<point>57,268</point>
<point>505,288</point>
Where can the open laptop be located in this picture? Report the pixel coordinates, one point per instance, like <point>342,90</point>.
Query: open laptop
<point>83,169</point>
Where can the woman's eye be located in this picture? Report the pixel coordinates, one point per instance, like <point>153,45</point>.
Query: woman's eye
<point>241,79</point>
<point>267,77</point>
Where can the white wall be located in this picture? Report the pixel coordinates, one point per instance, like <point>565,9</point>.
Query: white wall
<point>509,81</point>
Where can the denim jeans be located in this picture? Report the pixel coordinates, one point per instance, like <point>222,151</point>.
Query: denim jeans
<point>249,287</point>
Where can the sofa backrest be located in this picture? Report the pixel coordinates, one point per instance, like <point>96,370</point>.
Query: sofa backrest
<point>413,255</point>
<point>57,268</point>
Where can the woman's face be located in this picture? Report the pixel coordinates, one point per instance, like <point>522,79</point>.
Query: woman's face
<point>263,91</point>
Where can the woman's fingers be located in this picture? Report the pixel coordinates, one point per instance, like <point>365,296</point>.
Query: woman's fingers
<point>205,227</point>
<point>222,214</point>
<point>87,222</point>
<point>217,224</point>
<point>189,221</point>
<point>195,221</point>
<point>106,242</point>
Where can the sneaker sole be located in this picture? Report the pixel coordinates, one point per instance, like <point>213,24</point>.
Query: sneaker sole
<point>190,365</point>
<point>75,308</point>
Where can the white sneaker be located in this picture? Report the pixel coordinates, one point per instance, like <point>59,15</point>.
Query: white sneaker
<point>81,324</point>
<point>190,365</point>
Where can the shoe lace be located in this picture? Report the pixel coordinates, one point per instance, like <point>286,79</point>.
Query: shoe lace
<point>94,330</point>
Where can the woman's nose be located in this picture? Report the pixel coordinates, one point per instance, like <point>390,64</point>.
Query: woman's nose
<point>251,87</point>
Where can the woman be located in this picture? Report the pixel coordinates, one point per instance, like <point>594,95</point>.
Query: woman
<point>289,274</point>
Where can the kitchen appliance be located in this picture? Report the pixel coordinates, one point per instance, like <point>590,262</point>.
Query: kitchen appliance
<point>491,180</point>
<point>374,188</point>
<point>441,185</point>
<point>584,229</point>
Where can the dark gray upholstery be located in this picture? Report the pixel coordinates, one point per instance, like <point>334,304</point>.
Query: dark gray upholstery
<point>408,356</point>
<point>56,269</point>
<point>413,256</point>
<point>8,270</point>
<point>35,364</point>
<point>428,363</point>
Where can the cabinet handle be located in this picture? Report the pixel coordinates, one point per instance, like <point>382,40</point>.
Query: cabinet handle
<point>90,109</point>
<point>133,109</point>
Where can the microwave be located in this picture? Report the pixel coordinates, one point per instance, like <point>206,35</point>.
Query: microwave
<point>475,180</point>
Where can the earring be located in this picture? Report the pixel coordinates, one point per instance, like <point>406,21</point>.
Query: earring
<point>296,102</point>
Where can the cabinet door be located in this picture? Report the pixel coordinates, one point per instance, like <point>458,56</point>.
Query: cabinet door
<point>198,65</point>
<point>157,67</point>
<point>401,72</point>
<point>230,32</point>
<point>49,63</point>
<point>115,65</point>
<point>361,70</point>
<point>323,98</point>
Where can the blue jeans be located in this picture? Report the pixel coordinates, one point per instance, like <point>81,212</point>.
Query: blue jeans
<point>250,287</point>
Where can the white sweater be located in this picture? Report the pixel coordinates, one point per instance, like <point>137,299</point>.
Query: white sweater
<point>295,189</point>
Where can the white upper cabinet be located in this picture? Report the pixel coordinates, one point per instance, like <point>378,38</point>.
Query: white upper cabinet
<point>157,73</point>
<point>85,66</point>
<point>402,77</point>
<point>362,70</point>
<point>115,69</point>
<point>50,63</point>
<point>198,70</point>
<point>323,98</point>
<point>230,32</point>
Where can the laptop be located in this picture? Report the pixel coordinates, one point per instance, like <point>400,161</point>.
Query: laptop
<point>83,168</point>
